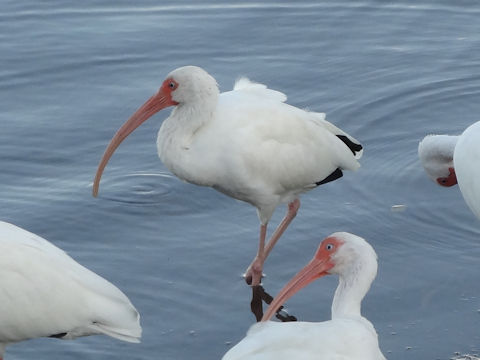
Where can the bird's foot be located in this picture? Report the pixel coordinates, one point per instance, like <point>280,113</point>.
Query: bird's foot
<point>259,295</point>
<point>254,274</point>
<point>256,305</point>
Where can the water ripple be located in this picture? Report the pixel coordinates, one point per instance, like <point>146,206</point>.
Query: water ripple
<point>138,188</point>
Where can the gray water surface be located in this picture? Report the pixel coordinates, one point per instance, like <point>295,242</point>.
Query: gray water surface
<point>389,73</point>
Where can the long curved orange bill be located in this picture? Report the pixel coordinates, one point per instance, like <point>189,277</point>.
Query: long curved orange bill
<point>153,105</point>
<point>315,269</point>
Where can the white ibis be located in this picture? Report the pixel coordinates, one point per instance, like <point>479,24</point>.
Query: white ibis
<point>348,335</point>
<point>449,160</point>
<point>45,293</point>
<point>246,143</point>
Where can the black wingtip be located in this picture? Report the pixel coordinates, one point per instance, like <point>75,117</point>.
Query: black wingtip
<point>333,176</point>
<point>351,145</point>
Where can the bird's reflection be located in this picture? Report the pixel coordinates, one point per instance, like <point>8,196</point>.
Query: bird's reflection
<point>259,295</point>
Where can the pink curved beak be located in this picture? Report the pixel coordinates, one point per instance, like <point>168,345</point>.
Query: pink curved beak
<point>153,105</point>
<point>315,269</point>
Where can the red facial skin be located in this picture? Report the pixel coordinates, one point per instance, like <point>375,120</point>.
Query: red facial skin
<point>448,181</point>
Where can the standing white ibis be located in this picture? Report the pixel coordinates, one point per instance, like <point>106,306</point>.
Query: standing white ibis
<point>449,160</point>
<point>246,143</point>
<point>45,293</point>
<point>348,335</point>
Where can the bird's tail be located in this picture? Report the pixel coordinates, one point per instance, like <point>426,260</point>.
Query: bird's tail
<point>115,315</point>
<point>131,334</point>
<point>352,143</point>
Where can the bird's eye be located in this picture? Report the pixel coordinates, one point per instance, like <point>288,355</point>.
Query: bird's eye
<point>329,247</point>
<point>172,85</point>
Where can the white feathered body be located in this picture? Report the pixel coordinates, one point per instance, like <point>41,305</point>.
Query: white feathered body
<point>339,339</point>
<point>250,145</point>
<point>466,160</point>
<point>44,292</point>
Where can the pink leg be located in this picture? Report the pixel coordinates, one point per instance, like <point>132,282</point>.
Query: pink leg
<point>291,213</point>
<point>254,273</point>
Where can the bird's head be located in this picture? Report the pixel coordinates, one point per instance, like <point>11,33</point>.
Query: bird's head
<point>183,86</point>
<point>189,84</point>
<point>436,155</point>
<point>340,253</point>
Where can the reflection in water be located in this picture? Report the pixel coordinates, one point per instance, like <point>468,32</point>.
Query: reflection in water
<point>259,295</point>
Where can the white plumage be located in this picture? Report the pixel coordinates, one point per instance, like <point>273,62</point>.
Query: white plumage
<point>466,159</point>
<point>44,292</point>
<point>449,160</point>
<point>247,143</point>
<point>347,336</point>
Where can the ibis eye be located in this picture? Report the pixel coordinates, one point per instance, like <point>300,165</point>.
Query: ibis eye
<point>329,247</point>
<point>172,85</point>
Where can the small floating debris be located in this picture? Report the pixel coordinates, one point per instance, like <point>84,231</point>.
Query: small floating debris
<point>398,208</point>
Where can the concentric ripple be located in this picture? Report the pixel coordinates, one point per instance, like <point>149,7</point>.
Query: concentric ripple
<point>137,188</point>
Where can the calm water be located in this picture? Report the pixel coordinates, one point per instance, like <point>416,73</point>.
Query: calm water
<point>389,73</point>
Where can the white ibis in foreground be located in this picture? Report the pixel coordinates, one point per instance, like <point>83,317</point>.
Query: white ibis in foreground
<point>348,335</point>
<point>449,160</point>
<point>45,293</point>
<point>246,143</point>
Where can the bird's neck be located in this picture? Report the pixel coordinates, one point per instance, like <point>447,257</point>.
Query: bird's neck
<point>187,118</point>
<point>437,149</point>
<point>179,134</point>
<point>351,290</point>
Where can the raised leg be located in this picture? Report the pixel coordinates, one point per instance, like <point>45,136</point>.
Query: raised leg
<point>291,213</point>
<point>253,275</point>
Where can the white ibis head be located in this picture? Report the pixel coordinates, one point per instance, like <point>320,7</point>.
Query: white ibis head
<point>341,253</point>
<point>185,85</point>
<point>436,155</point>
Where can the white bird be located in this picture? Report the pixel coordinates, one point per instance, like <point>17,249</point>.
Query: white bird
<point>347,336</point>
<point>449,160</point>
<point>45,293</point>
<point>246,143</point>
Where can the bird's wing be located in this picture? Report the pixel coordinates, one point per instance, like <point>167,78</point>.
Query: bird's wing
<point>45,292</point>
<point>244,84</point>
<point>264,93</point>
